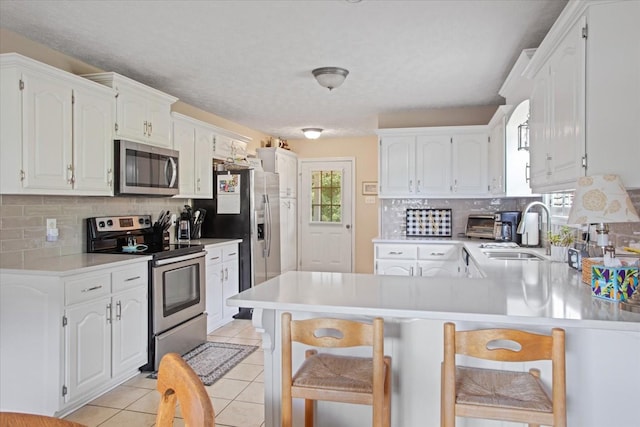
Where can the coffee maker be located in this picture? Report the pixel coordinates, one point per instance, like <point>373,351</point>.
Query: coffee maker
<point>505,225</point>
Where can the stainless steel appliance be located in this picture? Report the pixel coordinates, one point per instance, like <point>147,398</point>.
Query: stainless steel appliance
<point>480,226</point>
<point>255,220</point>
<point>177,282</point>
<point>506,225</point>
<point>145,169</point>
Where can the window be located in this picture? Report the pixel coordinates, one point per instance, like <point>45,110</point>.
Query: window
<point>559,204</point>
<point>326,196</point>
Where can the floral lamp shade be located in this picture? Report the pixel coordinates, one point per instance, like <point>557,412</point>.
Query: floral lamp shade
<point>601,199</point>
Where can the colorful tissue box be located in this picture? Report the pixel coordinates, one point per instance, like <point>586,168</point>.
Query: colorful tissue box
<point>613,283</point>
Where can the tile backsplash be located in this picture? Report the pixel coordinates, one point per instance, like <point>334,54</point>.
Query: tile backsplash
<point>23,221</point>
<point>392,219</point>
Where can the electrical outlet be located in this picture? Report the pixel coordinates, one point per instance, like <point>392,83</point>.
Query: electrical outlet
<point>51,223</point>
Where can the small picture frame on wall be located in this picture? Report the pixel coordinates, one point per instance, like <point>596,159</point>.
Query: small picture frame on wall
<point>370,188</point>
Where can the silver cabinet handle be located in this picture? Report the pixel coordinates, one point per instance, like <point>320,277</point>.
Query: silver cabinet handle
<point>119,310</point>
<point>214,258</point>
<point>527,172</point>
<point>110,177</point>
<point>232,254</point>
<point>396,253</point>
<point>69,174</point>
<point>150,128</point>
<point>226,274</point>
<point>109,313</point>
<point>418,186</point>
<point>132,278</point>
<point>437,253</point>
<point>146,127</point>
<point>410,271</point>
<point>419,271</point>
<point>410,186</point>
<point>93,288</point>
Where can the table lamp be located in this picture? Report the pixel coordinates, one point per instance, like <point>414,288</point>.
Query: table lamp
<point>600,200</point>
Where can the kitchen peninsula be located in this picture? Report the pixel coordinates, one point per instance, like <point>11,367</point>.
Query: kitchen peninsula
<point>603,342</point>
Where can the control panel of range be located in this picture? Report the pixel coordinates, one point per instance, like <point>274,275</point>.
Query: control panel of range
<point>123,223</point>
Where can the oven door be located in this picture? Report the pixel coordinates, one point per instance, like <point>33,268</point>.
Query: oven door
<point>178,290</point>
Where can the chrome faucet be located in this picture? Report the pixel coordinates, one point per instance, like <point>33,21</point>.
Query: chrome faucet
<point>522,227</point>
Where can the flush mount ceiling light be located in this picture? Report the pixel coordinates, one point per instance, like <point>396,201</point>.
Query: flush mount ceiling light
<point>312,133</point>
<point>330,77</point>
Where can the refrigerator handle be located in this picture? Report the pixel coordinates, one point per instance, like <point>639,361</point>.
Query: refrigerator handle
<point>267,220</point>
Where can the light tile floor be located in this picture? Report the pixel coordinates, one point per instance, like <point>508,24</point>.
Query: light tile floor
<point>238,397</point>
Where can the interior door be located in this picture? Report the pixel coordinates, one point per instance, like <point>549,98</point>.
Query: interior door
<point>326,215</point>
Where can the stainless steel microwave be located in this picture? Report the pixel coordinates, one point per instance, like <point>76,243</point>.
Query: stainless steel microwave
<point>142,169</point>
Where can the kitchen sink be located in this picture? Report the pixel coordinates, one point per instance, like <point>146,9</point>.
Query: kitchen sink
<point>513,255</point>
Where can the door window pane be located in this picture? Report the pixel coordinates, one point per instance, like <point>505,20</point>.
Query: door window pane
<point>326,196</point>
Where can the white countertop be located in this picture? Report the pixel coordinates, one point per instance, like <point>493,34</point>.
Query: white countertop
<point>73,264</point>
<point>215,242</point>
<point>524,292</point>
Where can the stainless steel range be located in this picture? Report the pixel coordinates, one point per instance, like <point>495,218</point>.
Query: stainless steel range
<point>177,322</point>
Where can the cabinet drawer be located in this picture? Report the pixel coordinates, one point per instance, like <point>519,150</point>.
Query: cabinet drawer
<point>230,252</point>
<point>396,251</point>
<point>130,277</point>
<point>439,252</point>
<point>214,256</point>
<point>86,287</point>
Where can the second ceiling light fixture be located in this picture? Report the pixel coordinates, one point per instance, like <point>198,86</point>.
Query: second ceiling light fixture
<point>331,78</point>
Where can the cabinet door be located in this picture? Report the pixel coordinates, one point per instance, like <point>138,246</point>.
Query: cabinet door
<point>132,116</point>
<point>183,139</point>
<point>47,134</point>
<point>222,147</point>
<point>566,91</point>
<point>539,130</point>
<point>214,275</point>
<point>203,163</point>
<point>130,318</point>
<point>288,235</point>
<point>470,164</point>
<point>159,123</point>
<point>397,166</point>
<point>433,165</point>
<point>395,267</point>
<point>496,152</point>
<point>93,119</point>
<point>230,286</point>
<point>438,269</point>
<point>88,361</point>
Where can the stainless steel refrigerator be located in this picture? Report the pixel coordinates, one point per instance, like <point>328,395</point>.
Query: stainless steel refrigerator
<point>249,209</point>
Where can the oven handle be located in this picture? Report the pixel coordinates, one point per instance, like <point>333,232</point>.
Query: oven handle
<point>179,258</point>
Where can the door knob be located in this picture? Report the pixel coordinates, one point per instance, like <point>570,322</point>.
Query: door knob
<point>348,226</point>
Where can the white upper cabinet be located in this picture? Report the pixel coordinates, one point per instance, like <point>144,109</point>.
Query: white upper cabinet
<point>586,97</point>
<point>57,131</point>
<point>285,164</point>
<point>194,140</point>
<point>496,152</point>
<point>433,162</point>
<point>143,113</point>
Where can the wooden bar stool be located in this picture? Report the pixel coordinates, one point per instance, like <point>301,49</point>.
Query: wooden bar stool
<point>177,383</point>
<point>330,377</point>
<point>503,395</point>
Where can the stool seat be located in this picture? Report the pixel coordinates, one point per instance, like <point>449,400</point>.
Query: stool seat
<point>506,389</point>
<point>344,373</point>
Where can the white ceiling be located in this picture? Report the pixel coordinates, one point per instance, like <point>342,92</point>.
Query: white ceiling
<point>251,61</point>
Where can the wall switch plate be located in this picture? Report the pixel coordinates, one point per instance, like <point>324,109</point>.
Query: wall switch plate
<point>51,223</point>
<point>370,200</point>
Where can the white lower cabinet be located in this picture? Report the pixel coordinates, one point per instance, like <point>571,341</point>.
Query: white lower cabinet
<point>66,340</point>
<point>223,281</point>
<point>411,259</point>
